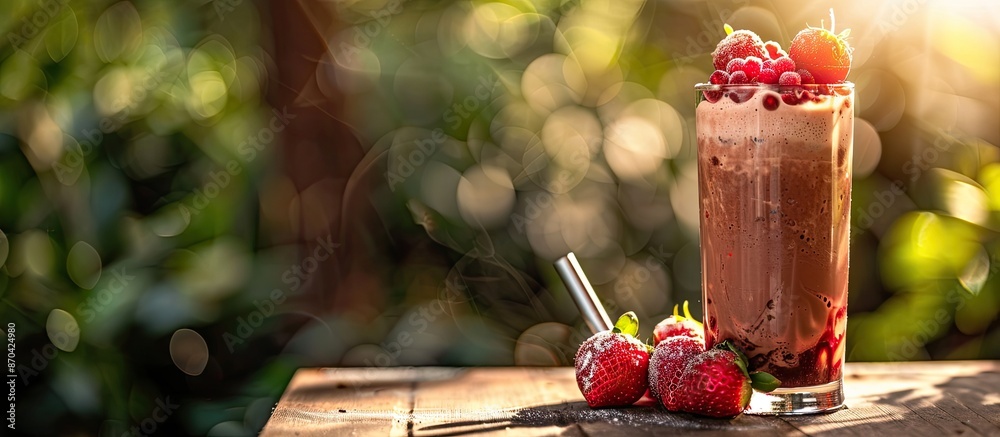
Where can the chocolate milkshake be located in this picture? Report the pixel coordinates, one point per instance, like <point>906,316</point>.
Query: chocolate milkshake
<point>774,174</point>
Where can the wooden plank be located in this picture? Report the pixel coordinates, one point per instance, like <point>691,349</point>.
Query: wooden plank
<point>904,398</point>
<point>361,401</point>
<point>941,398</point>
<point>494,400</point>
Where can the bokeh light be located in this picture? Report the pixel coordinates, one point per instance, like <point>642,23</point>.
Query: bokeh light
<point>199,198</point>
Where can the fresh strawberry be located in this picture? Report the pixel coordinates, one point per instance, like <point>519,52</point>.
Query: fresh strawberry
<point>679,326</point>
<point>612,367</point>
<point>716,383</point>
<point>826,55</point>
<point>737,44</point>
<point>667,364</point>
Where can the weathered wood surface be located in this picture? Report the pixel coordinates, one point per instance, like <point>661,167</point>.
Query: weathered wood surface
<point>883,399</point>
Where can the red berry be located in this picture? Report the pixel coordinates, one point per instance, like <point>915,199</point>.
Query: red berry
<point>770,102</point>
<point>807,77</point>
<point>789,98</point>
<point>790,78</point>
<point>752,66</point>
<point>666,366</point>
<point>716,383</point>
<point>612,367</point>
<point>738,44</point>
<point>773,49</point>
<point>742,95</point>
<point>783,64</point>
<point>735,65</point>
<point>768,63</point>
<point>825,55</point>
<point>713,384</point>
<point>712,96</point>
<point>719,77</point>
<point>679,326</point>
<point>768,75</point>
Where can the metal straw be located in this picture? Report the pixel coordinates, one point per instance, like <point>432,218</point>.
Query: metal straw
<point>583,293</point>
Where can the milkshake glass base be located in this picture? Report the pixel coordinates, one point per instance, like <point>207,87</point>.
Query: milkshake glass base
<point>795,401</point>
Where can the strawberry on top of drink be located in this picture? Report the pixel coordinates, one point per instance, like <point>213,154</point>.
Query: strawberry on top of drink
<point>816,56</point>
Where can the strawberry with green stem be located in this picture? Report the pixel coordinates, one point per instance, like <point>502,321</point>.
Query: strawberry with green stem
<point>612,367</point>
<point>678,325</point>
<point>738,44</point>
<point>824,54</point>
<point>716,383</point>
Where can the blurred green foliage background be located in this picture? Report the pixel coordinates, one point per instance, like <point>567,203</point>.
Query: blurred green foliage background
<point>198,197</point>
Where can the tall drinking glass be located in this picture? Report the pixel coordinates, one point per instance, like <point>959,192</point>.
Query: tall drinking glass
<point>774,181</point>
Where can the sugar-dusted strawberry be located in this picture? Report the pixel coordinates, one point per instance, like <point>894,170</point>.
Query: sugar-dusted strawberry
<point>612,367</point>
<point>679,326</point>
<point>716,383</point>
<point>667,365</point>
<point>737,44</point>
<point>734,65</point>
<point>826,55</point>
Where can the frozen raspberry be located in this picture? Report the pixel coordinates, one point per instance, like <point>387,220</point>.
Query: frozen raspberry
<point>752,66</point>
<point>807,77</point>
<point>719,77</point>
<point>797,96</point>
<point>735,65</point>
<point>737,44</point>
<point>770,102</point>
<point>826,55</point>
<point>790,78</point>
<point>768,75</point>
<point>738,77</point>
<point>768,63</point>
<point>783,64</point>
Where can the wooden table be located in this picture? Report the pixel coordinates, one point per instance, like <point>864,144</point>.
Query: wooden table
<point>883,399</point>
